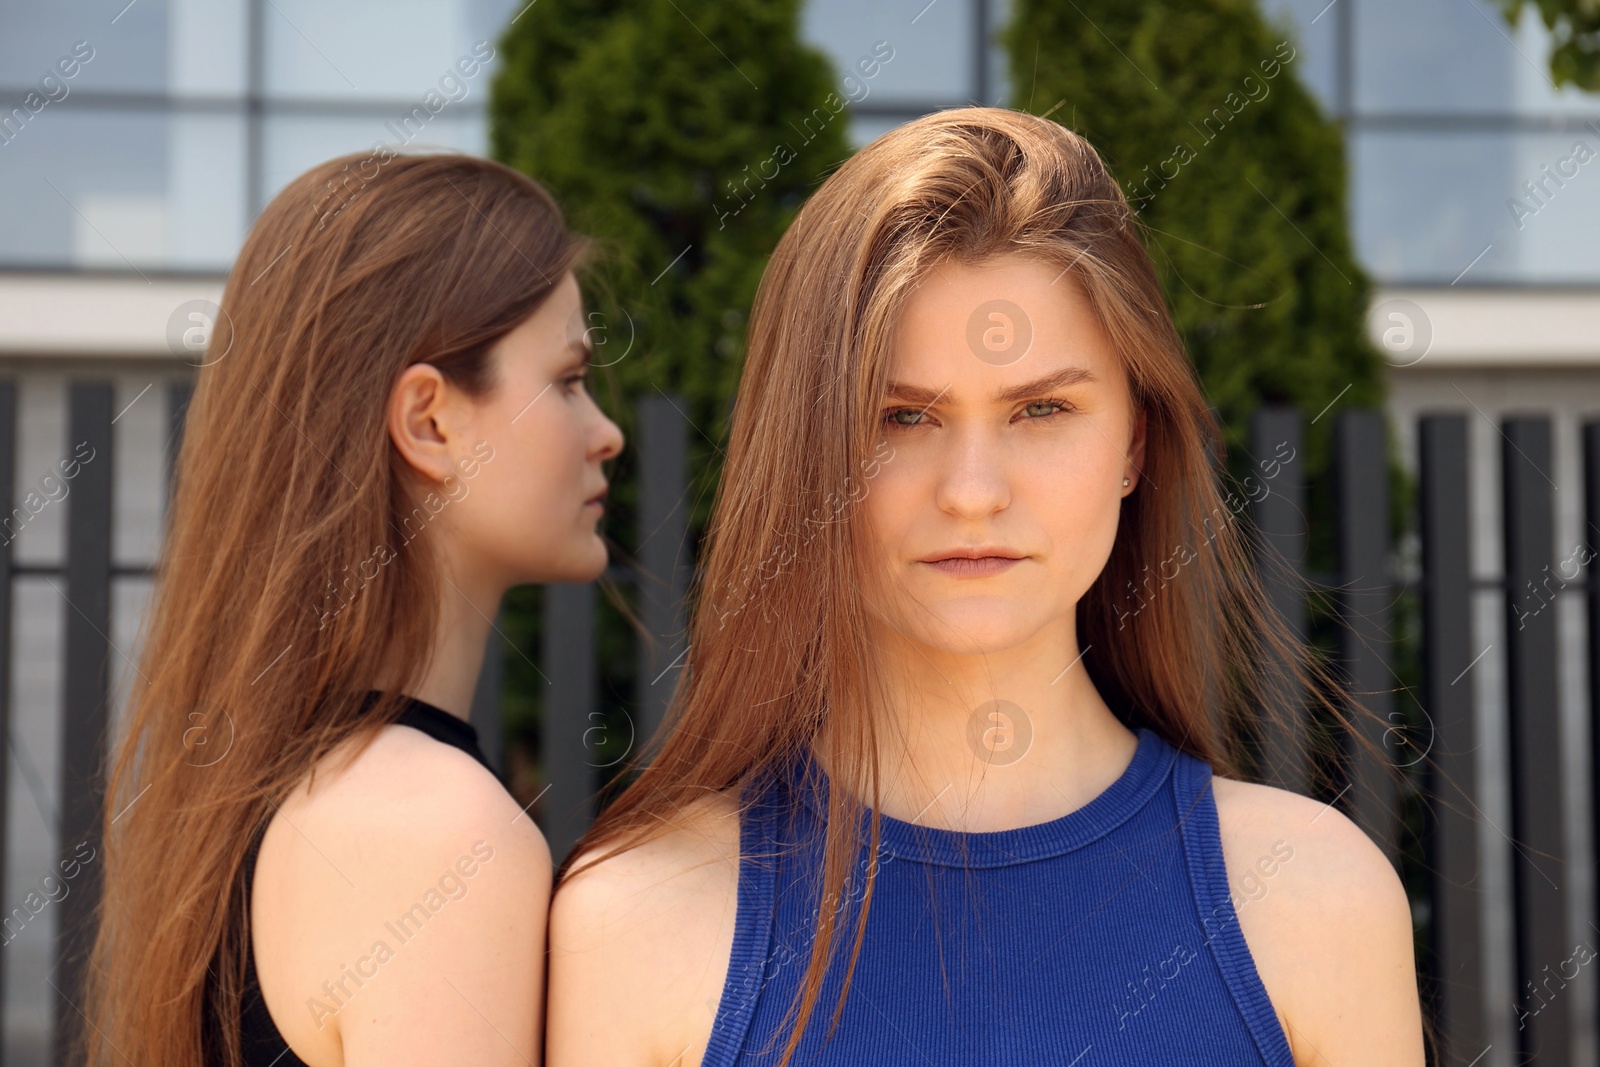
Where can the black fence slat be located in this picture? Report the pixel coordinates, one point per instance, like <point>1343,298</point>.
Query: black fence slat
<point>85,685</point>
<point>663,554</point>
<point>1539,868</point>
<point>1279,515</point>
<point>1590,545</point>
<point>1365,594</point>
<point>567,649</point>
<point>1449,745</point>
<point>8,468</point>
<point>179,394</point>
<point>485,713</point>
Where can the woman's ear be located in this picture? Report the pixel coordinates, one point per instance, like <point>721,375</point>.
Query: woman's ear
<point>1136,453</point>
<point>422,419</point>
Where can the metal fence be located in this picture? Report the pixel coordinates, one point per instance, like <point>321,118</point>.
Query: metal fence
<point>1452,903</point>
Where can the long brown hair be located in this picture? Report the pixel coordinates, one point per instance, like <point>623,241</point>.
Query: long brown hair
<point>783,578</point>
<point>268,625</point>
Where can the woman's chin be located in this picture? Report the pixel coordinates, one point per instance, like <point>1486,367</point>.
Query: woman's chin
<point>584,562</point>
<point>973,631</point>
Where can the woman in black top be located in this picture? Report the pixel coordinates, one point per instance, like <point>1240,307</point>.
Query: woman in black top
<point>309,860</point>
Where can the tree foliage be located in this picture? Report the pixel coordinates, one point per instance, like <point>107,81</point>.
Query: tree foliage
<point>1239,182</point>
<point>1574,27</point>
<point>685,139</point>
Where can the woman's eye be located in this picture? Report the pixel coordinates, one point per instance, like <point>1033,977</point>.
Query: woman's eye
<point>1038,411</point>
<point>893,417</point>
<point>1060,406</point>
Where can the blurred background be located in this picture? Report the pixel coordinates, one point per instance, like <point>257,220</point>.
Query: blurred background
<point>1376,221</point>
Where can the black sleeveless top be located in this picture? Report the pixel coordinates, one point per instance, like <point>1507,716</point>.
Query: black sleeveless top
<point>262,1044</point>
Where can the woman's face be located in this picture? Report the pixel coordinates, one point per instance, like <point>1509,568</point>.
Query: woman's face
<point>1012,427</point>
<point>525,458</point>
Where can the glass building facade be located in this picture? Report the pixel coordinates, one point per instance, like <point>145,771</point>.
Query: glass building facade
<point>188,115</point>
<point>182,117</point>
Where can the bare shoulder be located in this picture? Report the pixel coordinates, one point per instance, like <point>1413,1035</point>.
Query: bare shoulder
<point>407,787</point>
<point>408,768</point>
<point>382,877</point>
<point>650,927</point>
<point>1327,922</point>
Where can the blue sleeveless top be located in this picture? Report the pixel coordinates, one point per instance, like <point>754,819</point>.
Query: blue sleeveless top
<point>1103,937</point>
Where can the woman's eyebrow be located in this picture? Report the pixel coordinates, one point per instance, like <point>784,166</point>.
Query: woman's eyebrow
<point>1069,376</point>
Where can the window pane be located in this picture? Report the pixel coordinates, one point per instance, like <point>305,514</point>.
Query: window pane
<point>1427,205</point>
<point>932,57</point>
<point>1432,55</point>
<point>97,188</point>
<point>207,52</point>
<point>1313,26</point>
<point>295,143</point>
<point>151,46</point>
<point>372,50</point>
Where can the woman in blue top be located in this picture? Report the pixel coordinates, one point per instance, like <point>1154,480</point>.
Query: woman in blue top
<point>974,629</point>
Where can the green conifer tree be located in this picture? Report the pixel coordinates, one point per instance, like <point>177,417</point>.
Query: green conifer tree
<point>1238,180</point>
<point>684,138</point>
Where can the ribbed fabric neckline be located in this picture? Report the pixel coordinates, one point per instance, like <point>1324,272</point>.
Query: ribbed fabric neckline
<point>1151,764</point>
<point>435,722</point>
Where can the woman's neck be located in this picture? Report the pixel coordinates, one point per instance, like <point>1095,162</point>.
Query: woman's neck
<point>466,613</point>
<point>979,746</point>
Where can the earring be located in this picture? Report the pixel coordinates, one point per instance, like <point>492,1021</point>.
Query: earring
<point>1125,483</point>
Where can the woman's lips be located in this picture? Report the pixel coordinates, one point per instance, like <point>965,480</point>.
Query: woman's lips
<point>983,566</point>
